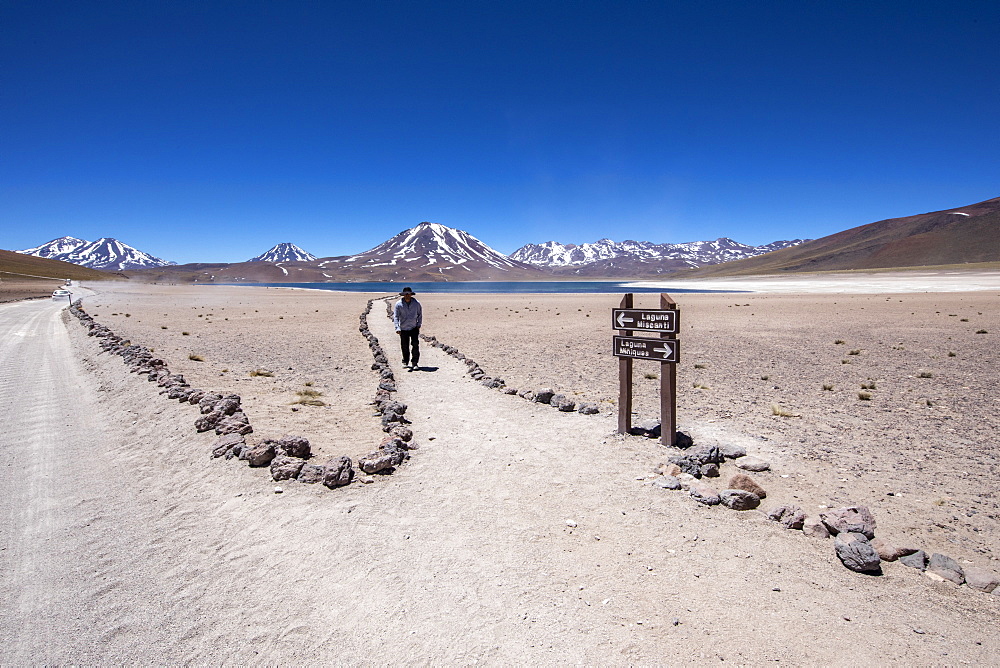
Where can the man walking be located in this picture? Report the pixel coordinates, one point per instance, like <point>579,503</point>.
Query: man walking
<point>407,316</point>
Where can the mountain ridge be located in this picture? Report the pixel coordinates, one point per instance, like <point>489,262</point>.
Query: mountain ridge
<point>107,253</point>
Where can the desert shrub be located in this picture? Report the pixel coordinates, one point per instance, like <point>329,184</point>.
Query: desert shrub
<point>261,372</point>
<point>981,331</point>
<point>649,375</point>
<point>839,342</point>
<point>828,387</point>
<point>781,411</point>
<point>700,366</point>
<point>196,358</point>
<point>865,396</point>
<point>925,374</point>
<point>856,351</point>
<point>870,385</point>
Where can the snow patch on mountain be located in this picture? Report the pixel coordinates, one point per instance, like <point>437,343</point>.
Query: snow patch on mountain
<point>105,253</point>
<point>284,252</point>
<point>694,253</point>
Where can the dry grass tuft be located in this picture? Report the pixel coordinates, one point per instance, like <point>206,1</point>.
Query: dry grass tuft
<point>309,398</point>
<point>261,372</point>
<point>865,396</point>
<point>925,374</point>
<point>781,411</point>
<point>196,358</point>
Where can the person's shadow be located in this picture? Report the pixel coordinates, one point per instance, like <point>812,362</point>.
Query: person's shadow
<point>426,368</point>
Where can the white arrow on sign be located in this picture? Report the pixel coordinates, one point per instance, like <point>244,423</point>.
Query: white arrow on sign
<point>667,352</point>
<point>622,320</point>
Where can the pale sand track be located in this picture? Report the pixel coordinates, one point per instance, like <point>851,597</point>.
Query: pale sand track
<point>123,542</point>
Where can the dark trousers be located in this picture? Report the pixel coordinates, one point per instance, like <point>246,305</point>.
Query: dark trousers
<point>410,339</point>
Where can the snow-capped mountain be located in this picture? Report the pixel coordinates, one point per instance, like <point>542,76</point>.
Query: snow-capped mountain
<point>105,253</point>
<point>691,254</point>
<point>53,249</point>
<point>433,249</point>
<point>284,252</point>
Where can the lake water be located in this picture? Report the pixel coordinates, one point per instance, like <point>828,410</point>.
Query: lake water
<point>484,287</point>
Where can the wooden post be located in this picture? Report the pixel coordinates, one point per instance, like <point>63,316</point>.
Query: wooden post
<point>668,385</point>
<point>625,379</point>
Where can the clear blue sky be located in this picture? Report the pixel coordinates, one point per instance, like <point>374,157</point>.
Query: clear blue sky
<point>209,131</point>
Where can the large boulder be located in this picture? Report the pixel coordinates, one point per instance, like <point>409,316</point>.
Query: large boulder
<point>686,465</point>
<point>752,464</point>
<point>733,451</point>
<point>855,552</point>
<point>208,422</point>
<point>237,423</point>
<point>981,579</point>
<point>563,403</point>
<point>543,396</point>
<point>382,460</point>
<point>739,499</point>
<point>705,454</point>
<point>207,402</point>
<point>916,560</point>
<point>261,454</point>
<point>851,519</point>
<point>311,473</point>
<point>667,482</point>
<point>225,443</point>
<point>889,552</point>
<point>402,433</point>
<point>946,567</point>
<point>339,472</point>
<point>284,467</point>
<point>814,528</point>
<point>747,484</point>
<point>228,404</point>
<point>790,517</point>
<point>293,446</point>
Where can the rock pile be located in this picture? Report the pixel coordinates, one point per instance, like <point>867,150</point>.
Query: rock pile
<point>540,396</point>
<point>224,415</point>
<point>394,448</point>
<point>286,458</point>
<point>853,527</point>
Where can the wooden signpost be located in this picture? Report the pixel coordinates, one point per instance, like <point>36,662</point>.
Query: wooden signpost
<point>665,350</point>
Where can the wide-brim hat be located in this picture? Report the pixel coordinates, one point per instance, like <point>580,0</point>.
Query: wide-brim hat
<point>407,291</point>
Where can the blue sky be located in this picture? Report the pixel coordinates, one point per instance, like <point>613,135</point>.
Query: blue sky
<point>209,131</point>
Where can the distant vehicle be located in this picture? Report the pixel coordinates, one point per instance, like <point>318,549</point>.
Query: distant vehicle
<point>60,294</point>
<point>69,281</point>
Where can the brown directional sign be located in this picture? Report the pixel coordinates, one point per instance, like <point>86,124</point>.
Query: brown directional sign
<point>663,321</point>
<point>659,350</point>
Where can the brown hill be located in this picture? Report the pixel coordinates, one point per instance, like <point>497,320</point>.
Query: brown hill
<point>27,277</point>
<point>16,264</point>
<point>956,236</point>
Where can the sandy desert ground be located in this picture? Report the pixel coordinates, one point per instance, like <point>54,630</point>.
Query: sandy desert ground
<point>516,533</point>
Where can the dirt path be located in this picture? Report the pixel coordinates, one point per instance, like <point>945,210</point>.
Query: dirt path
<point>124,542</point>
